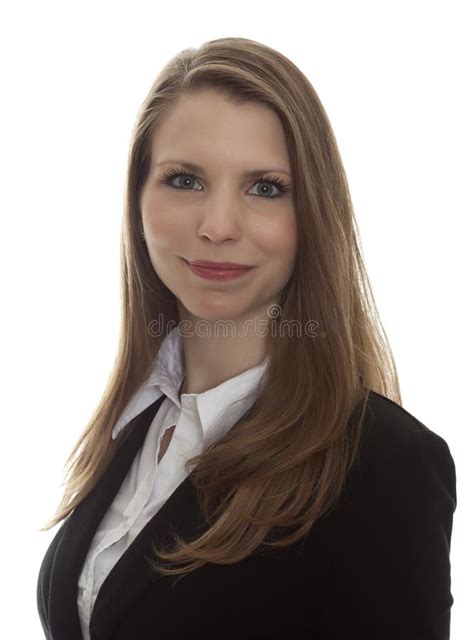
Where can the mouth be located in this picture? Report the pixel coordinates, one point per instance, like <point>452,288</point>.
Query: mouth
<point>217,273</point>
<point>207,264</point>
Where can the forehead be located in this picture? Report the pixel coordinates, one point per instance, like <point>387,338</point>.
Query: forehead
<point>206,127</point>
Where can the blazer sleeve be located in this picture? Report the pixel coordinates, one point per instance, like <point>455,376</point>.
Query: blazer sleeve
<point>390,575</point>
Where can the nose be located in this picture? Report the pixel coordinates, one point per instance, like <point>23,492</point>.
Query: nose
<point>221,217</point>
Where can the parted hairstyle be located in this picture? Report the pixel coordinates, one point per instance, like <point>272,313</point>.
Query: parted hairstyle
<point>284,464</point>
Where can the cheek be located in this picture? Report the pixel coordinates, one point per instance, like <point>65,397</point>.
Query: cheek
<point>280,238</point>
<point>161,223</point>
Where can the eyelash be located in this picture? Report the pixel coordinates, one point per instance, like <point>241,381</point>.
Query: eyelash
<point>171,174</point>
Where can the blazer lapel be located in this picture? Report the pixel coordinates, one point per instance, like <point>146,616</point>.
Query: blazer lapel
<point>132,573</point>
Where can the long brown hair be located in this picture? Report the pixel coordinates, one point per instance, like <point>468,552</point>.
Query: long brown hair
<point>286,463</point>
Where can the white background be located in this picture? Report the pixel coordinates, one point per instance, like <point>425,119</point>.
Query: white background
<point>396,80</point>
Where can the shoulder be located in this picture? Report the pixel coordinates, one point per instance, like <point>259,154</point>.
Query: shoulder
<point>400,455</point>
<point>387,421</point>
<point>391,429</point>
<point>387,542</point>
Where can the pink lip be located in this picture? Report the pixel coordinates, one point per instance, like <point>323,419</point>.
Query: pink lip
<point>206,264</point>
<point>217,274</point>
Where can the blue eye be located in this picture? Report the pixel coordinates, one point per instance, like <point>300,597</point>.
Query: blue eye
<point>188,180</point>
<point>172,175</point>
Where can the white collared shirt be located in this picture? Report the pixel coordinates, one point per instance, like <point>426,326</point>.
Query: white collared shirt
<point>148,485</point>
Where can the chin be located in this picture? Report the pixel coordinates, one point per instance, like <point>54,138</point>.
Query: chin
<point>214,311</point>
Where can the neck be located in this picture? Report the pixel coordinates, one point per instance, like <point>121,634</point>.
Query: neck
<point>225,351</point>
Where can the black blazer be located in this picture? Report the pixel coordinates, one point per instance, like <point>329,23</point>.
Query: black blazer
<point>377,567</point>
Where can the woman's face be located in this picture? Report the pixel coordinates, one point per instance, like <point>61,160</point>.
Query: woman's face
<point>219,213</point>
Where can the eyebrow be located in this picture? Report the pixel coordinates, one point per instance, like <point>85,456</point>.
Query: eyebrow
<point>192,166</point>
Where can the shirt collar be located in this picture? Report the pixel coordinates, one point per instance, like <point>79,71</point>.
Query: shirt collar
<point>217,408</point>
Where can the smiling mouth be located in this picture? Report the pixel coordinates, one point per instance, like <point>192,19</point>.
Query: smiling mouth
<point>207,264</point>
<point>217,273</point>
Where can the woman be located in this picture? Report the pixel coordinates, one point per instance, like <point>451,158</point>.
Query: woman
<point>250,471</point>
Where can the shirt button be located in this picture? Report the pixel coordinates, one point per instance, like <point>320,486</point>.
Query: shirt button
<point>181,449</point>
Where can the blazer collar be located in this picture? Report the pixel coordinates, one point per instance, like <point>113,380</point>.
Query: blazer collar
<point>132,574</point>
